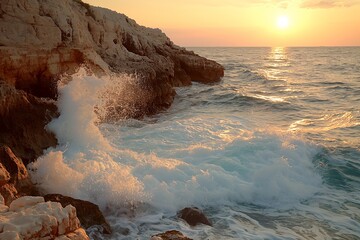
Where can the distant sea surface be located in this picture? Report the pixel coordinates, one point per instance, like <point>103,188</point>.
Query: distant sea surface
<point>270,152</point>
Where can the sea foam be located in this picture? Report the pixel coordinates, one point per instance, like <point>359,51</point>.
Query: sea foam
<point>203,161</point>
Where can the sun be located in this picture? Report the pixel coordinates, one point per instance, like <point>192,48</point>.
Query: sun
<point>283,22</point>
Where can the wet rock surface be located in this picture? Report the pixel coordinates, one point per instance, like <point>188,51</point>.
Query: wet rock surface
<point>193,216</point>
<point>88,213</point>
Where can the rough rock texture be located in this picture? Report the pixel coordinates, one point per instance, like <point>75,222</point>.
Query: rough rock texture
<point>32,218</point>
<point>193,216</point>
<point>50,37</point>
<point>40,40</point>
<point>14,178</point>
<point>88,213</point>
<point>170,235</point>
<point>22,120</point>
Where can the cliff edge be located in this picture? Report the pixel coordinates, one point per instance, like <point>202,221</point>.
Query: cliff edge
<point>41,40</point>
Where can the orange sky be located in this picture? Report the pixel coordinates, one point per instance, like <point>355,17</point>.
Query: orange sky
<point>245,22</point>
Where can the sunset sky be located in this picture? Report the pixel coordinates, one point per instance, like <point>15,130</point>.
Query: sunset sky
<point>247,22</point>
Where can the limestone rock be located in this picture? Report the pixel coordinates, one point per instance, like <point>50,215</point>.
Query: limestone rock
<point>193,216</point>
<point>88,213</point>
<point>24,202</point>
<point>32,218</point>
<point>170,235</point>
<point>42,39</point>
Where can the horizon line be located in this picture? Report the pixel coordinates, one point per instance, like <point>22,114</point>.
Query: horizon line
<point>330,46</point>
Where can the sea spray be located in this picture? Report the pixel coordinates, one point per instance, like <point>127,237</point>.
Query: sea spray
<point>213,162</point>
<point>81,165</point>
<point>259,168</point>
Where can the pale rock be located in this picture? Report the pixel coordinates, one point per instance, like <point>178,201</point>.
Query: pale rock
<point>36,219</point>
<point>105,40</point>
<point>78,234</point>
<point>22,202</point>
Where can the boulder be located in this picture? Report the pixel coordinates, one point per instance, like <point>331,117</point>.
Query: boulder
<point>193,216</point>
<point>33,218</point>
<point>170,235</point>
<point>88,213</point>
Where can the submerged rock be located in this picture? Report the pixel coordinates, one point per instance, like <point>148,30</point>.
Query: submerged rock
<point>170,235</point>
<point>194,216</point>
<point>88,213</point>
<point>32,218</point>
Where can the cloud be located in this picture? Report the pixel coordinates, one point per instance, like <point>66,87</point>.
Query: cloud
<point>328,3</point>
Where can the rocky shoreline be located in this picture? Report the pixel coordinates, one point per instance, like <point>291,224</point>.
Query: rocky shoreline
<point>40,41</point>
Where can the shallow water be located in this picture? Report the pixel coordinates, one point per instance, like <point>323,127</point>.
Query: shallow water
<point>270,152</point>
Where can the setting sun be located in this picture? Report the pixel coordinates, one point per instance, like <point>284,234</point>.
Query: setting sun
<point>283,22</point>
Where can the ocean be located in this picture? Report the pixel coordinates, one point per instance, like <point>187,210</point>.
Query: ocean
<point>270,152</point>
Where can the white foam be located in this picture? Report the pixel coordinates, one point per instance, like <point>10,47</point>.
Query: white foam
<point>81,166</point>
<point>203,160</point>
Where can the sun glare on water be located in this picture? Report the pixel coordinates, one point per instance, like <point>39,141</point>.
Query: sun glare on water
<point>283,22</point>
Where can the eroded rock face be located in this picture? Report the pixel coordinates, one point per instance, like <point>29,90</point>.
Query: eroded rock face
<point>14,178</point>
<point>22,121</point>
<point>33,218</point>
<point>58,35</point>
<point>88,213</point>
<point>194,216</point>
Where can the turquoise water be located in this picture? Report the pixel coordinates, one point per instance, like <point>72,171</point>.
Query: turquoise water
<point>270,152</point>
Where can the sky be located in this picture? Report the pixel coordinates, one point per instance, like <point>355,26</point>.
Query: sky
<point>272,23</point>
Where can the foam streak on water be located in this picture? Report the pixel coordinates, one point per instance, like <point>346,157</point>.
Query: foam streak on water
<point>270,152</point>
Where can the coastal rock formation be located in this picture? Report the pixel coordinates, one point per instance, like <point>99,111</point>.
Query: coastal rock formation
<point>14,178</point>
<point>170,235</point>
<point>42,39</point>
<point>22,120</point>
<point>88,213</point>
<point>193,216</point>
<point>32,218</point>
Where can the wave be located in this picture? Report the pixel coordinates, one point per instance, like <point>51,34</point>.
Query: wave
<point>220,167</point>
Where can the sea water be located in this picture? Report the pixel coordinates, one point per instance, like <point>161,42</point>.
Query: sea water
<point>270,152</point>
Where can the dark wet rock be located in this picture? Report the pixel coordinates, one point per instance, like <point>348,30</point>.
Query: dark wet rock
<point>193,216</point>
<point>88,213</point>
<point>170,235</point>
<point>22,122</point>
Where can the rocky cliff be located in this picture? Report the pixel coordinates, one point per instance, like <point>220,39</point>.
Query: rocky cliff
<point>40,40</point>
